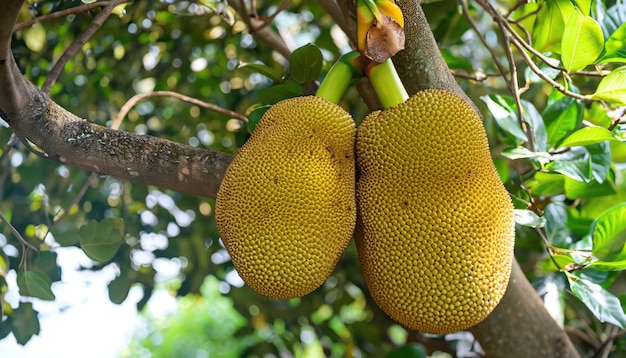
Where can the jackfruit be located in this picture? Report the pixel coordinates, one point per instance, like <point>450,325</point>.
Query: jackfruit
<point>437,235</point>
<point>286,208</point>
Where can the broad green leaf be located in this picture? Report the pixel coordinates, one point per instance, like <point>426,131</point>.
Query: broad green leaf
<point>35,284</point>
<point>265,70</point>
<point>575,189</point>
<point>503,110</point>
<point>612,88</point>
<point>615,46</point>
<point>597,115</point>
<point>255,117</point>
<point>411,350</point>
<point>46,263</point>
<point>547,184</point>
<point>619,265</point>
<point>600,160</point>
<point>455,62</point>
<point>609,233</point>
<point>305,63</point>
<point>603,304</point>
<point>575,163</point>
<point>25,323</point>
<point>277,93</point>
<point>618,152</point>
<point>549,26</point>
<point>587,136</point>
<point>528,218</point>
<point>504,172</point>
<point>582,42</point>
<point>559,262</point>
<point>119,288</point>
<point>561,117</point>
<point>555,215</point>
<point>523,152</point>
<point>101,240</point>
<point>577,170</point>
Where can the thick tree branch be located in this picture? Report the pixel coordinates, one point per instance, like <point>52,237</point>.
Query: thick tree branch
<point>139,158</point>
<point>62,136</point>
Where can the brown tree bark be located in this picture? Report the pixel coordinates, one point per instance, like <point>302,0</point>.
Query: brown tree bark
<point>519,327</point>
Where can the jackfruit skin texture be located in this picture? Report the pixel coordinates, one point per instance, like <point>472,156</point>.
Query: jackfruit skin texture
<point>437,235</point>
<point>286,208</point>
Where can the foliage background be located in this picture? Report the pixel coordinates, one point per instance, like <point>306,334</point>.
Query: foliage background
<point>198,49</point>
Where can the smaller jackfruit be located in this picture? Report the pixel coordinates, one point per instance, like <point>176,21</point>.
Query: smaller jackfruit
<point>286,208</point>
<point>437,235</point>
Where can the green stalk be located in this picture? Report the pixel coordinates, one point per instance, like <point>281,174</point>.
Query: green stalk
<point>340,76</point>
<point>371,6</point>
<point>386,83</point>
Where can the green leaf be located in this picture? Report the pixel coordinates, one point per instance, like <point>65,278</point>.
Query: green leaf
<point>456,62</point>
<point>277,93</point>
<point>411,350</point>
<point>528,218</point>
<point>101,240</point>
<point>587,136</point>
<point>615,46</point>
<point>549,26</point>
<point>266,71</point>
<point>46,262</point>
<point>575,163</point>
<point>575,189</point>
<point>603,304</point>
<point>612,88</point>
<point>523,152</point>
<point>255,117</point>
<point>555,215</point>
<point>25,323</point>
<point>600,160</point>
<point>503,110</point>
<point>548,184</point>
<point>561,117</point>
<point>609,233</point>
<point>305,63</point>
<point>619,265</point>
<point>35,284</point>
<point>119,288</point>
<point>582,42</point>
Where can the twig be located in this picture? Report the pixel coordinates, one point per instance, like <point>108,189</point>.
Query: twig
<point>545,77</point>
<point>477,76</point>
<point>78,43</point>
<point>604,350</point>
<point>514,87</point>
<point>55,15</point>
<point>494,55</point>
<point>16,233</point>
<point>139,97</point>
<point>590,341</point>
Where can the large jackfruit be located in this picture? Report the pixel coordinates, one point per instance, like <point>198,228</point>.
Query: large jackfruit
<point>436,243</point>
<point>286,208</point>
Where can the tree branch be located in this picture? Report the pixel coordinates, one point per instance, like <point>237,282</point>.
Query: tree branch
<point>78,43</point>
<point>139,158</point>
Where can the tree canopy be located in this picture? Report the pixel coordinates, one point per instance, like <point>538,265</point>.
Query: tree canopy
<point>120,119</point>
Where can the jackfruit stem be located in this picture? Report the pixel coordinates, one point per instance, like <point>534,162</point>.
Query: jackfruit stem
<point>386,83</point>
<point>339,77</point>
